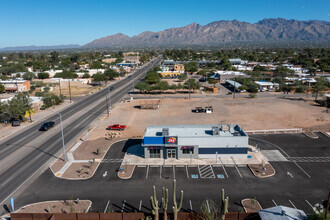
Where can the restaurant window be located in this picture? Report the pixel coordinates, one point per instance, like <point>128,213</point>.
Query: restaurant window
<point>154,153</point>
<point>188,150</point>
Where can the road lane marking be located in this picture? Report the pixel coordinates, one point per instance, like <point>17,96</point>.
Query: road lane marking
<point>191,208</point>
<point>173,172</point>
<point>160,172</point>
<point>140,206</point>
<point>187,172</point>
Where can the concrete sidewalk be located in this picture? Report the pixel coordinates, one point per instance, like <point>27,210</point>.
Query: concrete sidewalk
<point>132,158</point>
<point>8,130</point>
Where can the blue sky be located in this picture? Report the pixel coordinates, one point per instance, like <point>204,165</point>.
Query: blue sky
<point>55,22</point>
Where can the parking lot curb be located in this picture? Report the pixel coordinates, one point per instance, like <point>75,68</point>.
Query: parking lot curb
<point>130,173</point>
<point>310,135</point>
<point>265,176</point>
<point>97,165</point>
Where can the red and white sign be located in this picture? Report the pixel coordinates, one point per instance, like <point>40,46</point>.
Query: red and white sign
<point>171,140</point>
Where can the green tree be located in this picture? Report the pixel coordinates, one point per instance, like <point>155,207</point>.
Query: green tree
<point>43,75</point>
<point>318,87</point>
<point>143,86</point>
<point>192,84</point>
<point>144,58</point>
<point>66,75</point>
<point>182,77</point>
<point>97,65</point>
<point>29,76</point>
<point>86,75</point>
<point>191,67</point>
<point>162,86</point>
<point>153,77</point>
<point>111,74</point>
<point>98,77</point>
<point>2,89</point>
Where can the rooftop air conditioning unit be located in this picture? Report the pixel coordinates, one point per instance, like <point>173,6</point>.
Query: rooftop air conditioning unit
<point>165,132</point>
<point>215,130</point>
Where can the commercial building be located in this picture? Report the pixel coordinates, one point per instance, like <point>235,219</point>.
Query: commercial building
<point>179,67</point>
<point>16,85</point>
<point>132,59</point>
<point>194,141</point>
<point>267,86</point>
<point>170,74</point>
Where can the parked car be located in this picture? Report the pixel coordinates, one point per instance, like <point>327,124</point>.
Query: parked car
<point>47,125</point>
<point>203,79</point>
<point>199,109</point>
<point>116,127</point>
<point>16,122</point>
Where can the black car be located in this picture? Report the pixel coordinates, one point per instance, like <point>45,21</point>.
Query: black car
<point>47,125</point>
<point>203,79</point>
<point>16,122</point>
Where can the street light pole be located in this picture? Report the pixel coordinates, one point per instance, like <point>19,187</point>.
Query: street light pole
<point>61,132</point>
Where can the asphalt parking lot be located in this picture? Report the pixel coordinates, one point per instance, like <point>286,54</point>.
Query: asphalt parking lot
<point>295,184</point>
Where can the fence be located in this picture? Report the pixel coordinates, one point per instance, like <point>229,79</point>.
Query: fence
<point>123,216</point>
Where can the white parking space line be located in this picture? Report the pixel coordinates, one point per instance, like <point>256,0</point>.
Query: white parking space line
<point>140,206</point>
<point>237,167</point>
<point>173,172</point>
<point>292,204</point>
<point>274,202</point>
<point>191,208</point>
<point>147,172</point>
<point>223,167</point>
<point>208,206</point>
<point>106,207</point>
<point>309,204</point>
<point>187,172</point>
<point>124,203</point>
<point>302,169</point>
<point>160,172</point>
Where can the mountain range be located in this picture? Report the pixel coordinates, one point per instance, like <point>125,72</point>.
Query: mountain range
<point>267,31</point>
<point>218,32</point>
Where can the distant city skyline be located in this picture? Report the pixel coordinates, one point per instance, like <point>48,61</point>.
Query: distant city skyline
<point>60,22</point>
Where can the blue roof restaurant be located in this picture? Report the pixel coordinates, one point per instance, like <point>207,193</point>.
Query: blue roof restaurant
<point>194,141</point>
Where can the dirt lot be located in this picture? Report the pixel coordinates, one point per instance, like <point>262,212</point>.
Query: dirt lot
<point>251,114</point>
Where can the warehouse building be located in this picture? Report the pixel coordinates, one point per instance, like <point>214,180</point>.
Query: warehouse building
<point>193,141</point>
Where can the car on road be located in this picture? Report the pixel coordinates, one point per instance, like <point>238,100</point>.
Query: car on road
<point>47,125</point>
<point>116,127</point>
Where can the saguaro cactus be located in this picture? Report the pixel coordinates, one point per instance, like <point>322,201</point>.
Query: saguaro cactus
<point>165,202</point>
<point>224,205</point>
<point>176,208</point>
<point>154,204</point>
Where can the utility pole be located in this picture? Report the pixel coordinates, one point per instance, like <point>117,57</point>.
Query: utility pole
<point>307,90</point>
<point>107,104</point>
<point>234,89</point>
<point>69,89</point>
<point>59,81</point>
<point>189,89</point>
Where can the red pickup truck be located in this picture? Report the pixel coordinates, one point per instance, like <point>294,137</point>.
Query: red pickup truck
<point>116,127</point>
